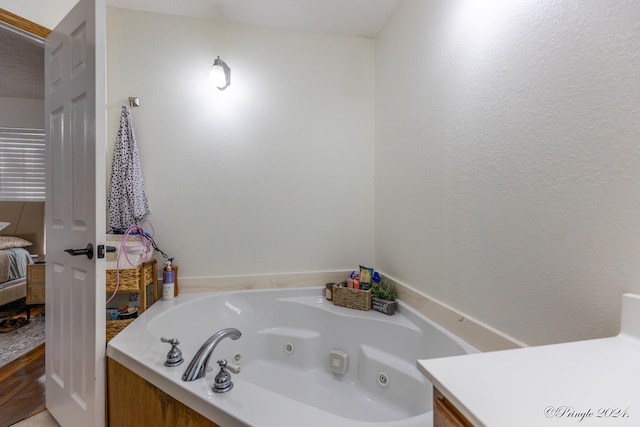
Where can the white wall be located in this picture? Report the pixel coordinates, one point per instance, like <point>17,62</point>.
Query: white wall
<point>274,174</point>
<point>508,160</point>
<point>506,180</point>
<point>22,113</point>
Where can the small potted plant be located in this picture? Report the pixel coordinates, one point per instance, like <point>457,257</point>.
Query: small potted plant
<point>383,297</point>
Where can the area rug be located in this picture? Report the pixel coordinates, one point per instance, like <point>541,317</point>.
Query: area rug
<point>19,342</point>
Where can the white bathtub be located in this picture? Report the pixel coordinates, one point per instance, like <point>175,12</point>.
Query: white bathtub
<point>285,380</point>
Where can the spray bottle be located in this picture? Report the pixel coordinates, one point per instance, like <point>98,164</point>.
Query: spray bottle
<point>167,282</point>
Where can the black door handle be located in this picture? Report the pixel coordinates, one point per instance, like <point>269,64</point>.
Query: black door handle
<point>88,251</point>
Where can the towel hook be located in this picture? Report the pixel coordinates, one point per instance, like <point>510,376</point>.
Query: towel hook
<point>134,101</point>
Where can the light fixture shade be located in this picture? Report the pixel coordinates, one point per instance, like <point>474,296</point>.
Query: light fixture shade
<point>220,74</point>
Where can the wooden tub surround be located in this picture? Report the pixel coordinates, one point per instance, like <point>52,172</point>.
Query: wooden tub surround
<point>134,402</point>
<point>445,414</point>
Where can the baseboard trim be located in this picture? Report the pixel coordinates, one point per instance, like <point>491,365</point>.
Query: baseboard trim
<point>260,281</point>
<point>473,331</point>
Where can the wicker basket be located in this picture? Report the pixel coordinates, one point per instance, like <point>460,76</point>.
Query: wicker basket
<point>115,326</point>
<point>352,298</point>
<point>130,278</point>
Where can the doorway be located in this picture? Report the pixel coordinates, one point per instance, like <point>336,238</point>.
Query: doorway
<point>22,107</point>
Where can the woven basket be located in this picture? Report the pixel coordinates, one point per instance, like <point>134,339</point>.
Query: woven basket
<point>352,298</point>
<point>130,278</point>
<point>115,326</point>
<point>147,272</point>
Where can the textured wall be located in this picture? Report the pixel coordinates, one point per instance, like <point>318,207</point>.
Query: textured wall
<point>508,160</point>
<point>273,175</point>
<point>507,169</point>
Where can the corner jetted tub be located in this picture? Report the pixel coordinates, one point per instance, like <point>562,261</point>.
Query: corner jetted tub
<point>286,354</point>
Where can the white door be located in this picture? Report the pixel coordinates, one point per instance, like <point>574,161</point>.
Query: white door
<point>75,216</point>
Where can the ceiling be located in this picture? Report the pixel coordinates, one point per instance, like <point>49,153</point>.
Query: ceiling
<point>360,18</point>
<point>21,68</point>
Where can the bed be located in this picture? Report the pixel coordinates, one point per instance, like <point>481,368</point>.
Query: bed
<point>26,223</point>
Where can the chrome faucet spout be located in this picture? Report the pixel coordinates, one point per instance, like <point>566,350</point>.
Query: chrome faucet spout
<point>198,366</point>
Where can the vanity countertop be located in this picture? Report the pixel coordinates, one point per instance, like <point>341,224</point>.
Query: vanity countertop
<point>583,383</point>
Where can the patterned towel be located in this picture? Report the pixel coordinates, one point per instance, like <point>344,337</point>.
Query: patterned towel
<point>127,200</point>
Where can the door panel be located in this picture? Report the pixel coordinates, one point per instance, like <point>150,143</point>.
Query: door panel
<point>74,116</point>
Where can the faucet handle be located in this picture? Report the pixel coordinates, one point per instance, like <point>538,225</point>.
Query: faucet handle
<point>174,357</point>
<point>222,382</point>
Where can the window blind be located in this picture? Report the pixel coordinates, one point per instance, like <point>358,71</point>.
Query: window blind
<point>22,164</point>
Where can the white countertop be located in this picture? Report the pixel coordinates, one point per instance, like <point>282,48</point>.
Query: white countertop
<point>584,383</point>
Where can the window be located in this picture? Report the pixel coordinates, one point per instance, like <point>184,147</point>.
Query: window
<point>22,164</point>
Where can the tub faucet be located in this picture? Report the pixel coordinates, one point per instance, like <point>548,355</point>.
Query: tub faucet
<point>198,366</point>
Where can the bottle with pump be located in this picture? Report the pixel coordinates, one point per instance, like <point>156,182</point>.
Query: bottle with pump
<point>167,282</point>
<point>174,267</point>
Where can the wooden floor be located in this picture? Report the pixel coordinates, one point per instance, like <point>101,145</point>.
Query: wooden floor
<point>22,389</point>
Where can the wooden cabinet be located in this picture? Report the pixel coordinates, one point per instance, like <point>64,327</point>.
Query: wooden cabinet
<point>445,414</point>
<point>35,283</point>
<point>135,280</point>
<point>133,401</point>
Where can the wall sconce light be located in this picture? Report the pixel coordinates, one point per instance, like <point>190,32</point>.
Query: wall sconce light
<point>220,74</point>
